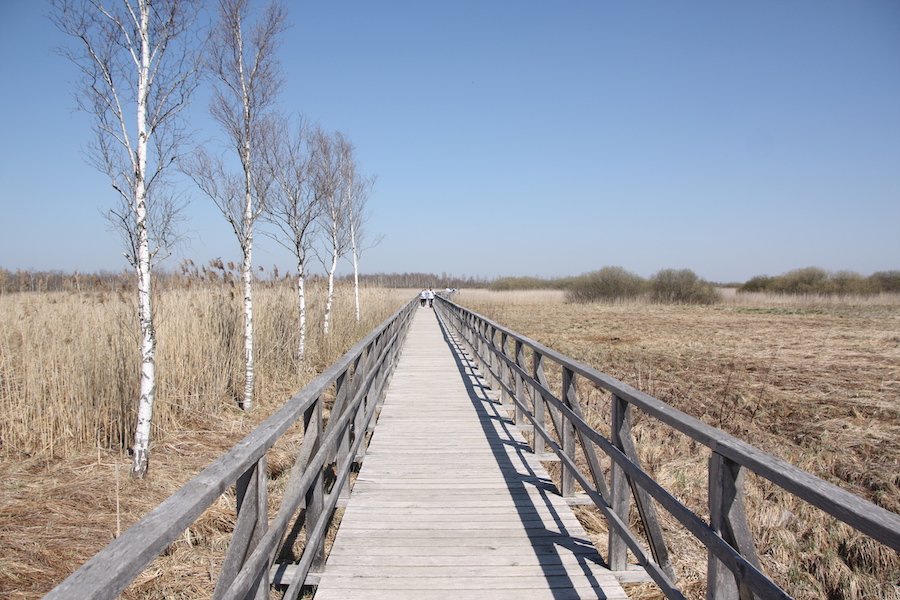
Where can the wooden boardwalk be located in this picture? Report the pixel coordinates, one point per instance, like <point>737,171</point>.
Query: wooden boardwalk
<point>450,502</point>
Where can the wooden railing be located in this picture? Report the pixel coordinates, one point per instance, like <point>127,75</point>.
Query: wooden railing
<point>356,382</point>
<point>558,422</point>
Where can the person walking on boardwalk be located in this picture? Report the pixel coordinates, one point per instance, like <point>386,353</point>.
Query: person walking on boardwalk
<point>430,295</point>
<point>422,296</point>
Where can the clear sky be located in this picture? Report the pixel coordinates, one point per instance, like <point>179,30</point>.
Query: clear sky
<point>531,137</point>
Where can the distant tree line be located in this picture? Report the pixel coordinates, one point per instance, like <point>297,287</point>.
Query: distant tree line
<point>606,284</point>
<point>56,280</point>
<point>667,286</point>
<point>615,284</point>
<point>420,280</point>
<point>813,280</point>
<point>683,286</point>
<point>189,273</point>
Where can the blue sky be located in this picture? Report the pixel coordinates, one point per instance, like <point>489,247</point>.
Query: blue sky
<point>533,137</point>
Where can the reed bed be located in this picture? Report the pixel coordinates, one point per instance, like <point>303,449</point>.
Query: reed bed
<point>68,386</point>
<point>814,380</point>
<point>69,365</point>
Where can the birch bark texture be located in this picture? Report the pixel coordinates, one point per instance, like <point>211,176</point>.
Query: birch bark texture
<point>139,67</point>
<point>242,61</point>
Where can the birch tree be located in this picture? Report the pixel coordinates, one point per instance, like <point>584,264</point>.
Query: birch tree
<point>138,70</point>
<point>329,151</point>
<point>357,189</point>
<point>293,206</point>
<point>246,73</point>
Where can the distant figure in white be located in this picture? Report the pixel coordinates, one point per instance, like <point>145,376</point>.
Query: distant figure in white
<point>430,296</point>
<point>422,297</point>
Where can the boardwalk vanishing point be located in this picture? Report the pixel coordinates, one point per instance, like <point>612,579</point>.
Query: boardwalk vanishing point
<point>450,502</point>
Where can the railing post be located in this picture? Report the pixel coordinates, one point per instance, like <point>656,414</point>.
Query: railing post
<point>728,519</point>
<point>620,495</point>
<point>520,387</point>
<point>540,405</point>
<point>344,389</point>
<point>359,426</point>
<point>624,441</point>
<point>494,361</point>
<point>504,370</point>
<point>483,350</point>
<point>587,446</point>
<point>252,522</point>
<point>315,497</point>
<point>568,435</point>
<point>262,524</point>
<point>341,387</point>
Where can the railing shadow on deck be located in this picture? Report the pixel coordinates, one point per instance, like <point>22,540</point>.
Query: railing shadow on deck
<point>356,382</point>
<point>557,420</point>
<point>510,456</point>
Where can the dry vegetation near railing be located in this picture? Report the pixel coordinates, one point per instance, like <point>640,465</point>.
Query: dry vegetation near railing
<point>813,380</point>
<point>68,360</point>
<point>68,370</point>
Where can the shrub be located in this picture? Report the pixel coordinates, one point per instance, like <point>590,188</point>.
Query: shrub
<point>850,282</point>
<point>813,280</point>
<point>760,283</point>
<point>607,284</point>
<point>671,286</point>
<point>507,284</point>
<point>809,280</point>
<point>563,283</point>
<point>886,281</point>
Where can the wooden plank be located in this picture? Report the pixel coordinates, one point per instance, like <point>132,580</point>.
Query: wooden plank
<point>450,501</point>
<point>476,559</point>
<point>534,583</point>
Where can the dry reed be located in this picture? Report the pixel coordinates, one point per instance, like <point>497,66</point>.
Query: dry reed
<point>68,360</point>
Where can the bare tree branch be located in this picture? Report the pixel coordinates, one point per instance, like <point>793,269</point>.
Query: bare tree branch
<point>293,206</point>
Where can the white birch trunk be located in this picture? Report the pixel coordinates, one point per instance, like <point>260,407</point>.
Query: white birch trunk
<point>141,454</point>
<point>247,275</point>
<point>330,298</point>
<point>335,255</point>
<point>355,250</point>
<point>301,306</point>
<point>356,279</point>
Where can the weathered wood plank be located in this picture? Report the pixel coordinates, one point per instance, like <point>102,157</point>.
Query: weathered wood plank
<point>431,593</point>
<point>450,501</point>
<point>476,559</point>
<point>524,583</point>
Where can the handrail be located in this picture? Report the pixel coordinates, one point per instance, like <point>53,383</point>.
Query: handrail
<point>734,568</point>
<point>358,379</point>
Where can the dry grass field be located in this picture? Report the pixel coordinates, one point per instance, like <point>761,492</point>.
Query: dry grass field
<point>812,380</point>
<point>68,380</point>
<point>815,381</point>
